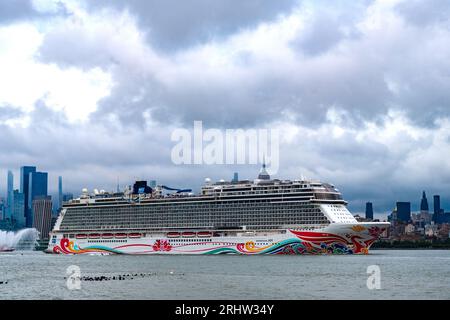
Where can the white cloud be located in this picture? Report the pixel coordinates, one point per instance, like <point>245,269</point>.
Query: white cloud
<point>23,80</point>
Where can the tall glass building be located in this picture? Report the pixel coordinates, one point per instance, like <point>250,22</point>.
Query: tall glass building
<point>436,204</point>
<point>24,189</point>
<point>10,195</point>
<point>18,209</point>
<point>424,203</point>
<point>67,197</point>
<point>37,187</point>
<point>404,211</point>
<point>369,211</point>
<point>2,209</point>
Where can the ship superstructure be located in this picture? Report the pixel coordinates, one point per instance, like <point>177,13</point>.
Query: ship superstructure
<point>248,217</point>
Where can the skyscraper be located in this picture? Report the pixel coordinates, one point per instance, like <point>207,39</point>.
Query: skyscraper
<point>24,189</point>
<point>60,193</point>
<point>18,209</point>
<point>404,211</point>
<point>235,177</point>
<point>42,215</point>
<point>2,209</point>
<point>424,217</point>
<point>37,186</point>
<point>67,197</point>
<point>424,203</point>
<point>436,204</point>
<point>9,195</point>
<point>436,208</point>
<point>369,211</point>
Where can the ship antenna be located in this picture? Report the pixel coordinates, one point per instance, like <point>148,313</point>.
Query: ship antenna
<point>263,175</point>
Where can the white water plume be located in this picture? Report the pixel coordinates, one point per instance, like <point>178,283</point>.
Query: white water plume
<point>25,239</point>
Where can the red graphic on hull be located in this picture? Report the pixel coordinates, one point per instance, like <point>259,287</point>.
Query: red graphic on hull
<point>162,245</point>
<point>358,243</point>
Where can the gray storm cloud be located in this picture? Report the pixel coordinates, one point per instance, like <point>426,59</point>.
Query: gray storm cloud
<point>175,25</point>
<point>365,86</point>
<point>338,63</point>
<point>23,10</point>
<point>16,10</point>
<point>425,13</point>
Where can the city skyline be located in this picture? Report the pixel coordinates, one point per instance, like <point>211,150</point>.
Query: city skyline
<point>92,91</point>
<point>54,192</point>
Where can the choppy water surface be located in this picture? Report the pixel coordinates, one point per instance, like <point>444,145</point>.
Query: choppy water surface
<point>405,274</point>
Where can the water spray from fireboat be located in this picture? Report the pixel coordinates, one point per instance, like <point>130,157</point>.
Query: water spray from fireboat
<point>25,239</point>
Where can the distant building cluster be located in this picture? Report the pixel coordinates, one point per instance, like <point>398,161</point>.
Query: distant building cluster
<point>30,205</point>
<point>424,224</point>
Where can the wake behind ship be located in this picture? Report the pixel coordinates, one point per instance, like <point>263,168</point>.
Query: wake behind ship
<point>263,216</point>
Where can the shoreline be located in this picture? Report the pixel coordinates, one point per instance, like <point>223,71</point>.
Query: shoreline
<point>412,245</point>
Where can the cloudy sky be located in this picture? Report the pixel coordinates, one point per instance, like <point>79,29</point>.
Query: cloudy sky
<point>360,90</point>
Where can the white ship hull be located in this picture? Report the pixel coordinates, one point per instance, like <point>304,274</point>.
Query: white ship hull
<point>336,238</point>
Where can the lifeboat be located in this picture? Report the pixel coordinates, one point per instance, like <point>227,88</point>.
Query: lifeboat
<point>120,235</point>
<point>107,236</point>
<point>94,236</point>
<point>188,234</point>
<point>134,235</point>
<point>81,236</point>
<point>204,234</point>
<point>173,235</point>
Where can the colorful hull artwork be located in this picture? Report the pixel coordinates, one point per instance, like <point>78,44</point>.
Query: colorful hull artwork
<point>334,239</point>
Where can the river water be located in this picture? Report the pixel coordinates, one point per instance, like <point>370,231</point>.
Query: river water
<point>403,274</point>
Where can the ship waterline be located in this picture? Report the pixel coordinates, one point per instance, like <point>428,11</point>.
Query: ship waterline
<point>334,239</point>
<point>262,216</point>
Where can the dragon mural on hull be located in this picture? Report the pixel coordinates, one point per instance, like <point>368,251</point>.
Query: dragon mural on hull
<point>302,242</point>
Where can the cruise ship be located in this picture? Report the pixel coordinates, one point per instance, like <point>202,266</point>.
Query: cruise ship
<point>260,216</point>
